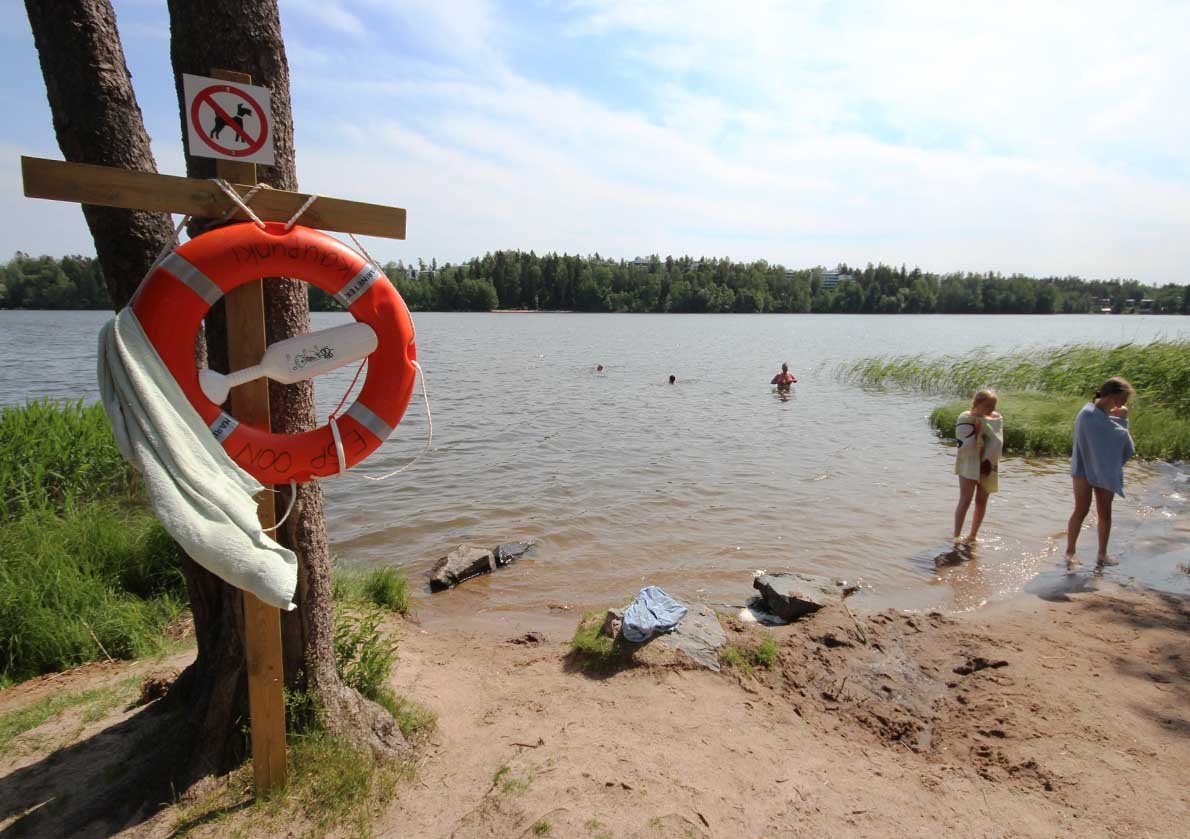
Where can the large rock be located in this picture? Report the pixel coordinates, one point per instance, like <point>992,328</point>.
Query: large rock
<point>462,563</point>
<point>698,636</point>
<point>791,596</point>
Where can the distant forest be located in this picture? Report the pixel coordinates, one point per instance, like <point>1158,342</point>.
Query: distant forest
<point>519,280</point>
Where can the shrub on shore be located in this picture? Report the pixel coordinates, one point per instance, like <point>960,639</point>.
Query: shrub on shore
<point>1041,391</point>
<point>86,571</point>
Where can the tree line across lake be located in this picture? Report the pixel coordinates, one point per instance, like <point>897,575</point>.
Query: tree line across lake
<point>524,280</point>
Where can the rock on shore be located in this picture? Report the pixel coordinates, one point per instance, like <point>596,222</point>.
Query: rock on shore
<point>467,561</point>
<point>793,595</point>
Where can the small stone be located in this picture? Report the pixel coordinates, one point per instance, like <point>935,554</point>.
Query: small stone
<point>509,552</point>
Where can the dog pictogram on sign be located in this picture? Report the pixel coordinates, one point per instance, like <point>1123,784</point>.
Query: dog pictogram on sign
<point>228,121</point>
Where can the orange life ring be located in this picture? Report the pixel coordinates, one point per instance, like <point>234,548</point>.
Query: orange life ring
<point>175,298</point>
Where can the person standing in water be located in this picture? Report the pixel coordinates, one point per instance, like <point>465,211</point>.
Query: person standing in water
<point>784,379</point>
<point>673,379</point>
<point>1102,445</point>
<point>980,432</point>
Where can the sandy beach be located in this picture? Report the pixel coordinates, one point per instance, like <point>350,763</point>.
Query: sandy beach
<point>1061,715</point>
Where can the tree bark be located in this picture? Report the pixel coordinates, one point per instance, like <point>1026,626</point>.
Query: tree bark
<point>98,120</point>
<point>245,36</point>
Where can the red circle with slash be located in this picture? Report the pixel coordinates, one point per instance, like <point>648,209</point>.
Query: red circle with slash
<point>206,97</point>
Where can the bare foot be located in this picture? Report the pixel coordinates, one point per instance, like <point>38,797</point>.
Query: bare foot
<point>1106,561</point>
<point>1072,562</point>
<point>969,540</point>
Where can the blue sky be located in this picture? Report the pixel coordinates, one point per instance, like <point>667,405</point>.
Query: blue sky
<point>1040,137</point>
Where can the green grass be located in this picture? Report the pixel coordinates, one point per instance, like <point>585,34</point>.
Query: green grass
<point>745,659</point>
<point>57,455</point>
<point>542,828</point>
<point>592,649</point>
<point>99,701</point>
<point>416,721</point>
<point>1042,390</point>
<point>85,569</point>
<point>383,587</point>
<point>105,579</point>
<point>333,788</point>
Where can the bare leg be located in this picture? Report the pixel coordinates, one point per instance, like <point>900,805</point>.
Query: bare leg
<point>1103,500</point>
<point>1082,505</point>
<point>966,491</point>
<point>981,507</point>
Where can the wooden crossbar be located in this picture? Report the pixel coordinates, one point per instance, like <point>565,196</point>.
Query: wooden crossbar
<point>109,186</point>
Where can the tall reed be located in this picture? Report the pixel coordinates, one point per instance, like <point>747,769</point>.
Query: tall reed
<point>55,455</point>
<point>1160,370</point>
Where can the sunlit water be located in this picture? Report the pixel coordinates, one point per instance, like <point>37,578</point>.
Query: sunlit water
<point>625,480</point>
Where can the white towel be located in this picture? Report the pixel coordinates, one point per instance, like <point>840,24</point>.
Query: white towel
<point>204,500</point>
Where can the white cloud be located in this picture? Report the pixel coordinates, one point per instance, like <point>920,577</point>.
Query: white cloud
<point>1041,138</point>
<point>327,13</point>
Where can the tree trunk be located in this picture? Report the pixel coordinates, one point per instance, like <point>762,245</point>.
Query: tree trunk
<point>245,36</point>
<point>98,120</point>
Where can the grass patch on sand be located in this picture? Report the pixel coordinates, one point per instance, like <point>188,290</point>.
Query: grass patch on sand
<point>593,649</point>
<point>745,659</point>
<point>333,788</point>
<point>383,587</point>
<point>1041,391</point>
<point>99,703</point>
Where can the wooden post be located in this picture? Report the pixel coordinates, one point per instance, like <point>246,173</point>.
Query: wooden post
<point>246,343</point>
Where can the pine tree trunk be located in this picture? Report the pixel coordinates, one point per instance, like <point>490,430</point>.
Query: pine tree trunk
<point>98,120</point>
<point>245,36</point>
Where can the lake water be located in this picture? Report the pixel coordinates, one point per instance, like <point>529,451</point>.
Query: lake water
<point>625,480</point>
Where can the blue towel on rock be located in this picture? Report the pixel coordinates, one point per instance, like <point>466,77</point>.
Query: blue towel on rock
<point>651,613</point>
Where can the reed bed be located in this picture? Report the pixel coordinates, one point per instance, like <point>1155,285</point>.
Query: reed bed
<point>1042,389</point>
<point>1160,371</point>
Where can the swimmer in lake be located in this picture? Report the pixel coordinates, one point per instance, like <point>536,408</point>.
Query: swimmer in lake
<point>784,379</point>
<point>673,380</point>
<point>598,368</point>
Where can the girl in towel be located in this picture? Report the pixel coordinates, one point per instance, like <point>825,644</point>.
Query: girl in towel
<point>1102,445</point>
<point>980,432</point>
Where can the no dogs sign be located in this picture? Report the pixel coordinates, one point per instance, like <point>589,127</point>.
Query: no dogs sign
<point>227,120</point>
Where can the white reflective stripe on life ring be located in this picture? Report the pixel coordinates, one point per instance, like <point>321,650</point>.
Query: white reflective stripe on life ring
<point>362,414</point>
<point>199,283</point>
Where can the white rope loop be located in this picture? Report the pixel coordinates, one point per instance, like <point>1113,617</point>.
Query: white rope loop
<point>301,212</point>
<point>429,436</point>
<point>240,203</point>
<point>293,492</point>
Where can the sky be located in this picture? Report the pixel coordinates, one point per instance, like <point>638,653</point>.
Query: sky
<point>1041,137</point>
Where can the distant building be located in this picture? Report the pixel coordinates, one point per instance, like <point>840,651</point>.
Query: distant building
<point>641,262</point>
<point>830,279</point>
<point>1147,304</point>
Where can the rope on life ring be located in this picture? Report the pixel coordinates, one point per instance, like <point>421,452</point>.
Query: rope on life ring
<point>173,300</point>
